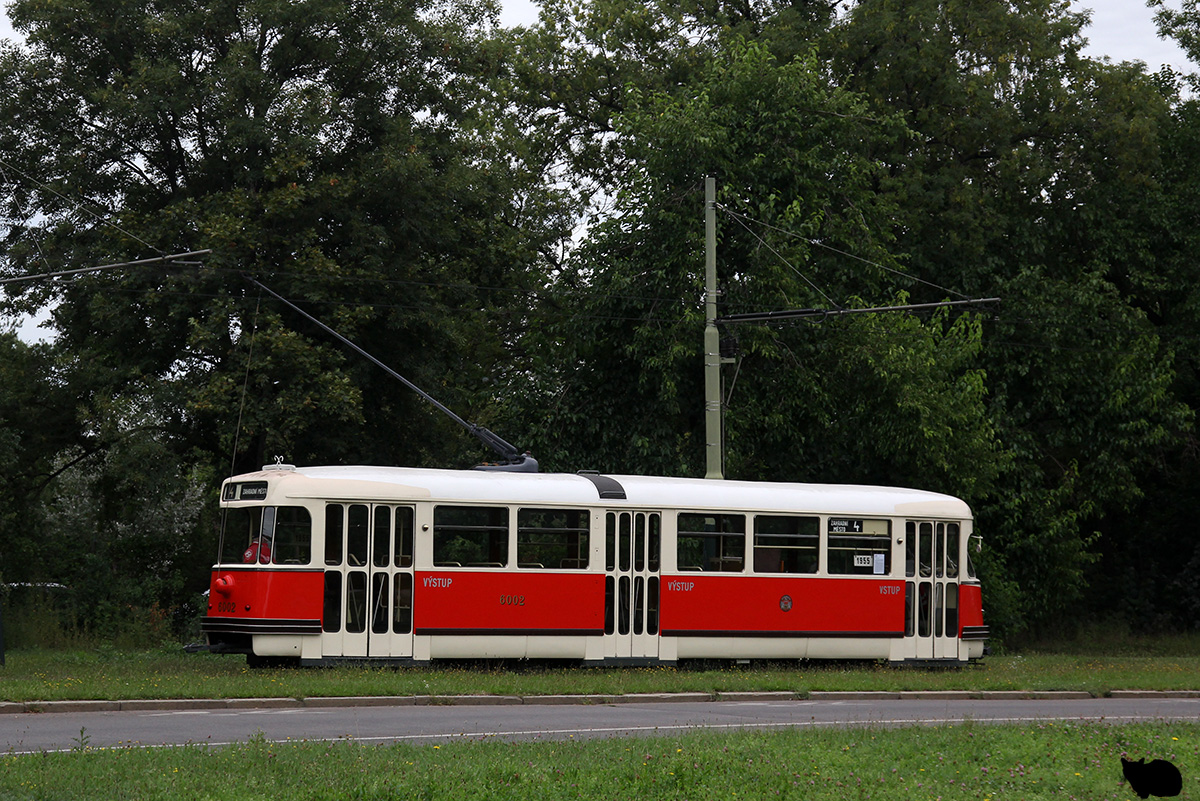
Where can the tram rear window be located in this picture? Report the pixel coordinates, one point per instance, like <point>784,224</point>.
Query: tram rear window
<point>711,542</point>
<point>552,538</point>
<point>279,535</point>
<point>860,547</point>
<point>470,536</point>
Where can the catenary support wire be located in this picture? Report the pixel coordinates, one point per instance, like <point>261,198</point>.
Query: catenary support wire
<point>506,451</point>
<point>138,263</point>
<point>800,314</point>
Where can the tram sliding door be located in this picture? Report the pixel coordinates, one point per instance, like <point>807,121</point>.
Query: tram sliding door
<point>368,580</point>
<point>633,548</point>
<point>931,589</point>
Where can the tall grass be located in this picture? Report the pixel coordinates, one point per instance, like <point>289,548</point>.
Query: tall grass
<point>1115,638</point>
<point>49,618</point>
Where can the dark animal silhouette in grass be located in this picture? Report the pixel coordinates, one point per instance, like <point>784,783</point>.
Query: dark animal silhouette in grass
<point>1159,777</point>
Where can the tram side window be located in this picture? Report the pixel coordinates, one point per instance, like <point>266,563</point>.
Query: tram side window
<point>910,549</point>
<point>952,610</point>
<point>357,534</point>
<point>952,548</point>
<point>470,536</point>
<point>925,550</point>
<point>786,544</point>
<point>331,619</point>
<point>293,536</point>
<point>654,547</point>
<point>381,548</point>
<point>403,556</point>
<point>334,527</point>
<point>715,543</point>
<point>860,547</point>
<point>552,538</point>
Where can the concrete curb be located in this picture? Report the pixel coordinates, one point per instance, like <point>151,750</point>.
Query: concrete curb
<point>966,695</point>
<point>567,700</point>
<point>1155,694</point>
<point>469,700</point>
<point>366,700</point>
<point>161,705</point>
<point>758,696</point>
<point>864,695</point>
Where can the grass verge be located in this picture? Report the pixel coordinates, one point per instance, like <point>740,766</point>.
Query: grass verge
<point>972,761</point>
<point>108,674</point>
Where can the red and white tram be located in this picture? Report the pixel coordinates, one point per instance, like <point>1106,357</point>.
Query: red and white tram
<point>319,564</point>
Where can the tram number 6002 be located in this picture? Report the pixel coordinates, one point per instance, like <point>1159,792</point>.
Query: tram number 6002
<point>512,600</point>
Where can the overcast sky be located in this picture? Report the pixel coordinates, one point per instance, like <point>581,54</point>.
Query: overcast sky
<point>1123,30</point>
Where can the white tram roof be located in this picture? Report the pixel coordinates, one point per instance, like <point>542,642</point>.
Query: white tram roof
<point>651,492</point>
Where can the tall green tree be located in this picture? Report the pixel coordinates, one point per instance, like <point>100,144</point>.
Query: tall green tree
<point>577,70</point>
<point>37,423</point>
<point>1024,180</point>
<point>97,501</point>
<point>1146,575</point>
<point>348,156</point>
<point>339,153</point>
<point>620,384</point>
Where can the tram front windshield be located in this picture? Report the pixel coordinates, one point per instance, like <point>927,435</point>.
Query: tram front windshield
<point>266,535</point>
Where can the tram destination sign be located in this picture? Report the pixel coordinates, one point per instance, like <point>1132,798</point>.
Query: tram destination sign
<point>249,491</point>
<point>858,526</point>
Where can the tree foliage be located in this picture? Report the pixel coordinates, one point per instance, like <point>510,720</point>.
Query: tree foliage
<point>625,343</point>
<point>1027,179</point>
<point>514,220</point>
<point>345,155</point>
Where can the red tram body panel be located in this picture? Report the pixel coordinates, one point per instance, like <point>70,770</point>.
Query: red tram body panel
<point>498,603</point>
<point>407,564</point>
<point>700,605</point>
<point>972,605</point>
<point>268,599</point>
<point>971,601</point>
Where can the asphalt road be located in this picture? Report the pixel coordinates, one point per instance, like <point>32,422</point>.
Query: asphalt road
<point>53,731</point>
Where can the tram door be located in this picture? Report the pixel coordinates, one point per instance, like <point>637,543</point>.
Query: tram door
<point>368,580</point>
<point>633,547</point>
<point>931,589</point>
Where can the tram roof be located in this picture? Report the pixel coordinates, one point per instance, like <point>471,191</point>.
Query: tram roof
<point>408,483</point>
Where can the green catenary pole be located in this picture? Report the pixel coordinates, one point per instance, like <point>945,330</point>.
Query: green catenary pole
<point>713,434</point>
